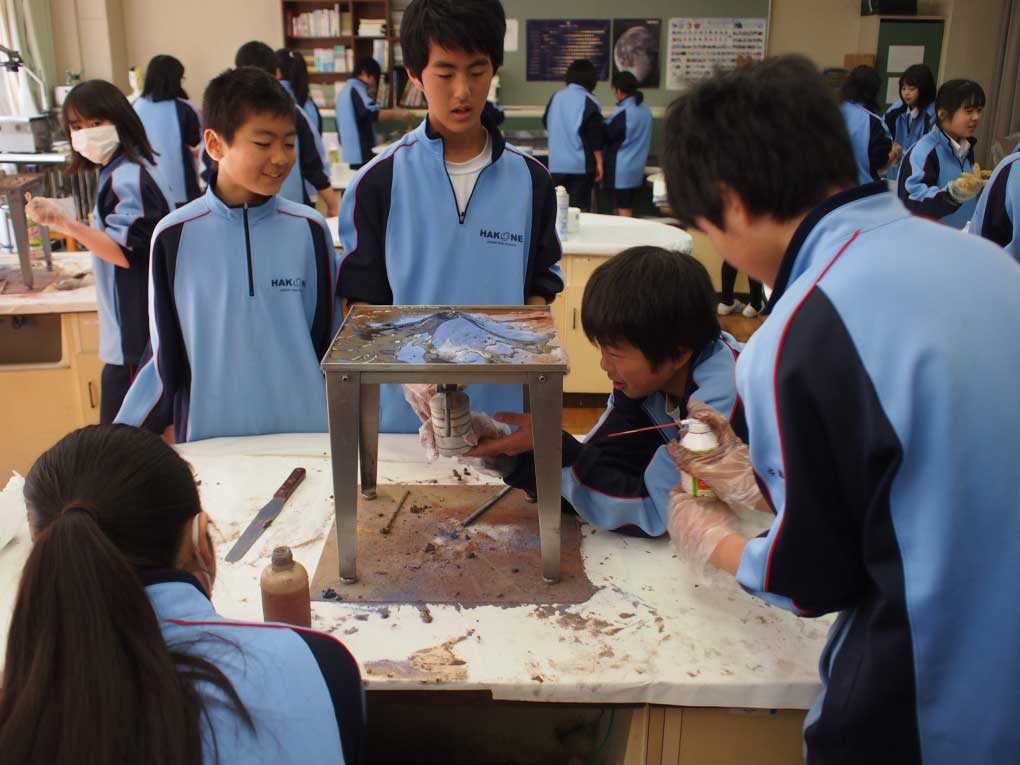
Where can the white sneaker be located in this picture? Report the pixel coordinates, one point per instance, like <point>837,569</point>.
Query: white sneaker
<point>726,310</point>
<point>749,311</point>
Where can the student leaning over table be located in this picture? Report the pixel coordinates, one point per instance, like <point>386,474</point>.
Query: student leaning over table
<point>883,434</point>
<point>115,653</point>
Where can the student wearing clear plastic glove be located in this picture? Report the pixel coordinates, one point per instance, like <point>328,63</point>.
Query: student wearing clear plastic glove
<point>483,427</point>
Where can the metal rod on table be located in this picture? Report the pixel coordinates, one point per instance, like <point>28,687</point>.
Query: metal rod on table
<point>488,503</point>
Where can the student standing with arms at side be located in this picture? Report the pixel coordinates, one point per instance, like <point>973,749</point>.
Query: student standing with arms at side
<point>106,134</point>
<point>451,214</point>
<point>931,181</point>
<point>172,126</point>
<point>913,114</point>
<point>573,118</point>
<point>883,434</point>
<point>628,139</point>
<point>115,652</point>
<point>242,301</point>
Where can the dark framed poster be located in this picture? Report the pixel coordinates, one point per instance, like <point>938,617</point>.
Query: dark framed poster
<point>554,43</point>
<point>636,49</point>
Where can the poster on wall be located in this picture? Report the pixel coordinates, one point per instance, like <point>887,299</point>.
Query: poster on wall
<point>699,47</point>
<point>554,43</point>
<point>636,49</point>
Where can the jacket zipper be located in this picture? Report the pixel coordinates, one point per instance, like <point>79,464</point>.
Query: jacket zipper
<point>247,247</point>
<point>462,216</point>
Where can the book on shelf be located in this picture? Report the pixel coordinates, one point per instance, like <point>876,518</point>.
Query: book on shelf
<point>338,59</point>
<point>324,22</point>
<point>372,28</point>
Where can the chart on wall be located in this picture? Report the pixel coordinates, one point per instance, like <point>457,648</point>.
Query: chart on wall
<point>699,47</point>
<point>636,49</point>
<point>554,43</point>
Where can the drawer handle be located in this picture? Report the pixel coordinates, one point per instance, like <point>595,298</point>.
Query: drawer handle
<point>575,319</point>
<point>92,397</point>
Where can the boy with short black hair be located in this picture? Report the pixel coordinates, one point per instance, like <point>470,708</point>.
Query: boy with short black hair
<point>241,284</point>
<point>660,351</point>
<point>883,434</point>
<point>310,167</point>
<point>357,112</point>
<point>451,214</point>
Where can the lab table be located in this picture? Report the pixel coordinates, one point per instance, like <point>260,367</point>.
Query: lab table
<point>660,640</point>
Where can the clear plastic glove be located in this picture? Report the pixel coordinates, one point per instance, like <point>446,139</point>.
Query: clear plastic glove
<point>728,469</point>
<point>47,212</point>
<point>696,526</point>
<point>419,396</point>
<point>482,427</point>
<point>967,186</point>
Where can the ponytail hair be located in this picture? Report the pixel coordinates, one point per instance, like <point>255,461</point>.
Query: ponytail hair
<point>627,83</point>
<point>295,70</point>
<point>88,676</point>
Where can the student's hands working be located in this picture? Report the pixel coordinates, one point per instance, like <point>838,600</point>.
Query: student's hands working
<point>483,427</point>
<point>518,442</point>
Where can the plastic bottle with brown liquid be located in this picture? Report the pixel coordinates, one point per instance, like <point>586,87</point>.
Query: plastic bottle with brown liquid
<point>285,595</point>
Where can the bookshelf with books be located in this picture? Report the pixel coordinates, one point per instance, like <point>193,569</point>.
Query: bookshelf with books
<point>332,36</point>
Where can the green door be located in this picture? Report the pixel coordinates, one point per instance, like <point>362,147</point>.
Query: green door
<point>903,43</point>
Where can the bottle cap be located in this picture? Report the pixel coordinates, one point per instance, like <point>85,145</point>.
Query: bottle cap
<point>283,558</point>
<point>696,426</point>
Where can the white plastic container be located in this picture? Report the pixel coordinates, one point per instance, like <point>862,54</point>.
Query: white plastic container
<point>701,440</point>
<point>562,212</point>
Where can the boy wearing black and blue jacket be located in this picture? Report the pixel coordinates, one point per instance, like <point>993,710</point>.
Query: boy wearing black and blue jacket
<point>882,434</point>
<point>573,119</point>
<point>660,352</point>
<point>357,113</point>
<point>451,214</point>
<point>241,284</point>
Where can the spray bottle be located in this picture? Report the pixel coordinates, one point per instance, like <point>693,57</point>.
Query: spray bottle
<point>285,594</point>
<point>698,439</point>
<point>562,212</point>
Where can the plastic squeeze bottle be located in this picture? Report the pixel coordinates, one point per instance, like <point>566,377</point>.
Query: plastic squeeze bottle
<point>285,595</point>
<point>701,440</point>
<point>562,212</point>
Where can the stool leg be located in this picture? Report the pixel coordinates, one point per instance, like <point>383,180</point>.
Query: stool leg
<point>368,437</point>
<point>20,222</point>
<point>546,394</point>
<point>342,394</point>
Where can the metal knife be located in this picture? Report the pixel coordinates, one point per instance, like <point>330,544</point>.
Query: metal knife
<point>266,516</point>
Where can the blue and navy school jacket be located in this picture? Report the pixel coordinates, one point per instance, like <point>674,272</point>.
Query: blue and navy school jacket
<point>494,113</point>
<point>302,688</point>
<point>573,119</point>
<point>406,243</point>
<point>173,129</point>
<point>356,114</point>
<point>241,310</point>
<point>869,138</point>
<point>628,139</point>
<point>997,215</point>
<point>623,484</point>
<point>310,166</point>
<point>925,173</point>
<point>885,436</point>
<point>132,199</point>
<point>905,130</point>
<point>314,121</point>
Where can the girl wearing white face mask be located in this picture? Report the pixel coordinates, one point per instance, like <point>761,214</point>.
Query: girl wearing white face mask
<point>106,133</point>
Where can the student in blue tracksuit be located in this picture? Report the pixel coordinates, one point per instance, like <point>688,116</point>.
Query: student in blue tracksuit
<point>106,134</point>
<point>451,214</point>
<point>294,78</point>
<point>310,166</point>
<point>931,180</point>
<point>115,652</point>
<point>242,286</point>
<point>887,450</point>
<point>660,352</point>
<point>628,139</point>
<point>869,136</point>
<point>172,125</point>
<point>913,114</point>
<point>997,215</point>
<point>357,113</point>
<point>573,119</point>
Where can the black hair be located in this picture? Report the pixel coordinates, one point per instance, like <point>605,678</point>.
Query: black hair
<point>627,84</point>
<point>958,94</point>
<point>369,66</point>
<point>582,72</point>
<point>102,100</point>
<point>861,87</point>
<point>88,675</point>
<point>920,77</point>
<point>660,301</point>
<point>473,26</point>
<point>736,130</point>
<point>234,96</point>
<point>295,71</point>
<point>257,54</point>
<point>163,78</point>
